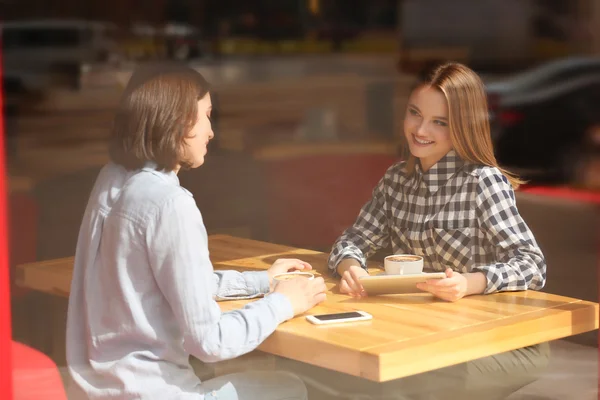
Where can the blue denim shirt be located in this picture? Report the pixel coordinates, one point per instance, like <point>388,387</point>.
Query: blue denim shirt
<point>143,295</point>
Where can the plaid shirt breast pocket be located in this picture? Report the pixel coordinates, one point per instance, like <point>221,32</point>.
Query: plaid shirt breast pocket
<point>453,231</point>
<point>452,248</point>
<point>401,240</point>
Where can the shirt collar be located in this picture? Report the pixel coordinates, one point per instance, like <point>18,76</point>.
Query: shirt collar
<point>169,176</point>
<point>441,172</point>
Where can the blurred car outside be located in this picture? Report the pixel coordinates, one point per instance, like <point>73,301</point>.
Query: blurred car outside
<point>545,120</point>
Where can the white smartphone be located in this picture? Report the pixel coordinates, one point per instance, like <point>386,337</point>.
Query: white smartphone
<point>336,318</point>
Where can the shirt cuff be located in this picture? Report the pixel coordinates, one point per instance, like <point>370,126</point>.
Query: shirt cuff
<point>282,307</point>
<point>343,257</point>
<point>257,282</point>
<point>491,276</point>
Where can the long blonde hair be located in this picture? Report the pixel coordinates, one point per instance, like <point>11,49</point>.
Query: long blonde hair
<point>468,117</point>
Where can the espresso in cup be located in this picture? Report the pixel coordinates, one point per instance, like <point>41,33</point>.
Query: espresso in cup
<point>404,258</point>
<point>403,264</point>
<point>292,275</point>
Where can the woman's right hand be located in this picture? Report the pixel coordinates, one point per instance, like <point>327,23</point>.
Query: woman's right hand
<point>350,283</point>
<point>303,293</point>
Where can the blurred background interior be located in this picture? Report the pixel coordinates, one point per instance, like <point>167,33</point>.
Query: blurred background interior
<point>309,98</point>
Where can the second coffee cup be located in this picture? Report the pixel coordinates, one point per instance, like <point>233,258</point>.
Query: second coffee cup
<point>403,264</point>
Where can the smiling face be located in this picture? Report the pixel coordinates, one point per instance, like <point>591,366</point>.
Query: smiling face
<point>426,126</point>
<point>196,141</point>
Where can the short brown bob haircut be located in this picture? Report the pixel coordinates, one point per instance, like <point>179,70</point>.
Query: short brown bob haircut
<point>157,110</point>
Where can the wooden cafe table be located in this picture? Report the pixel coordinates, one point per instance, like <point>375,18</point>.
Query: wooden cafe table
<point>409,334</point>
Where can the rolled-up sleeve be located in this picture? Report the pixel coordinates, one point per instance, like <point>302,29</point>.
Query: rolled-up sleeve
<point>178,252</point>
<point>520,263</point>
<point>240,285</point>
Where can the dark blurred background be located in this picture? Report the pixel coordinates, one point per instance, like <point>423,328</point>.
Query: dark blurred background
<point>309,98</point>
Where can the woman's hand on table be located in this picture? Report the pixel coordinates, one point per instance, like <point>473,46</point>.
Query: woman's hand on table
<point>303,294</point>
<point>451,288</point>
<point>456,286</point>
<point>284,265</point>
<point>350,283</point>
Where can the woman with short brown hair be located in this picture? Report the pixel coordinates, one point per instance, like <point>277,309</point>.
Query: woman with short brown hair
<point>143,295</point>
<point>155,115</point>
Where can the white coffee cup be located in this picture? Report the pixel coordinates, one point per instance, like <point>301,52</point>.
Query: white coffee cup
<point>403,264</point>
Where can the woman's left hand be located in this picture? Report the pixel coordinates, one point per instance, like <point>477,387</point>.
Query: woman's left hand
<point>451,288</point>
<point>284,265</point>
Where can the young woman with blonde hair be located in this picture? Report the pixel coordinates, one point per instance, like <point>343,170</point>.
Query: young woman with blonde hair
<point>450,202</point>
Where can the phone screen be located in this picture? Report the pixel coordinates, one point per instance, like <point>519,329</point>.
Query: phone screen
<point>344,315</point>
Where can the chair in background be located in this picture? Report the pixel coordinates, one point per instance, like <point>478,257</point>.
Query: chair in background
<point>35,375</point>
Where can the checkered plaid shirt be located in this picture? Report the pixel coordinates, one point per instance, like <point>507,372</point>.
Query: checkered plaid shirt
<point>458,215</point>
